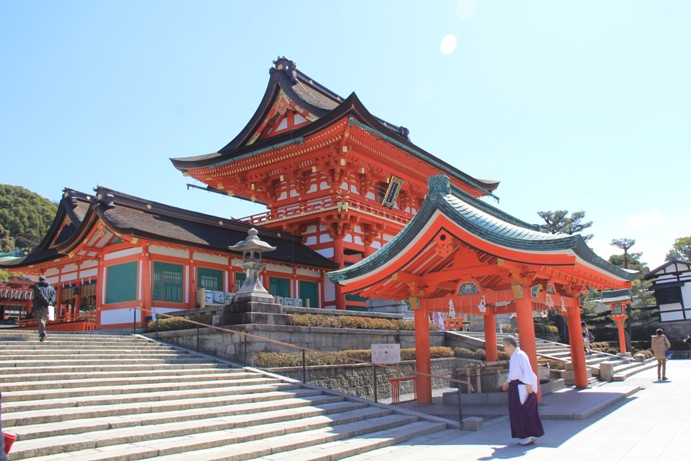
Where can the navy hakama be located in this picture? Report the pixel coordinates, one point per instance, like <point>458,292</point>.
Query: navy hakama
<point>524,418</point>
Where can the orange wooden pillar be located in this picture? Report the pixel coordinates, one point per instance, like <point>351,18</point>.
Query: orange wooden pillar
<point>423,361</point>
<point>147,289</point>
<point>100,289</point>
<point>491,338</point>
<point>338,259</point>
<point>580,373</point>
<point>620,328</point>
<point>526,332</point>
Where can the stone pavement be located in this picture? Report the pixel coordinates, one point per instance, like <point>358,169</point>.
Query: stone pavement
<point>652,424</point>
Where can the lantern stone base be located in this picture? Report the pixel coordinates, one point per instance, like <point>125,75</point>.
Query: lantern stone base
<point>246,312</point>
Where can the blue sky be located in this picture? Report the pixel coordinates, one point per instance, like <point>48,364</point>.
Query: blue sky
<point>571,105</point>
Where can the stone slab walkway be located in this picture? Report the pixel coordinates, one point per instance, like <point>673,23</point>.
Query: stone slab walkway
<point>653,424</point>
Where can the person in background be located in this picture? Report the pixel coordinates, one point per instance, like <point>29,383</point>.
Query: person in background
<point>44,296</point>
<point>660,345</point>
<point>521,384</point>
<point>585,331</point>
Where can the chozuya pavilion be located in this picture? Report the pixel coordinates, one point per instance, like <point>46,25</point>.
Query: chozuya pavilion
<point>461,252</point>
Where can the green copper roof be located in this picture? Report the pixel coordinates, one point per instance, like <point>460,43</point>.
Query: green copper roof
<point>483,221</point>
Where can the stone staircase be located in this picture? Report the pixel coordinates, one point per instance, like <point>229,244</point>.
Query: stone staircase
<point>125,397</point>
<point>620,368</point>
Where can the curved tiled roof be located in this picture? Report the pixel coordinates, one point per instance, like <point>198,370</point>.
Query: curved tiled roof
<point>485,222</point>
<point>328,107</point>
<point>136,217</point>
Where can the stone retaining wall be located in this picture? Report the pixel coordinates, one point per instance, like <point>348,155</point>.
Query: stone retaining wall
<point>358,379</point>
<point>238,348</point>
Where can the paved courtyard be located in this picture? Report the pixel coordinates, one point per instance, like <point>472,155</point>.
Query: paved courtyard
<point>652,424</point>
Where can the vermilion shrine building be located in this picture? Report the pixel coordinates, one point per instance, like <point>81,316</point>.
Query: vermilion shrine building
<point>339,184</point>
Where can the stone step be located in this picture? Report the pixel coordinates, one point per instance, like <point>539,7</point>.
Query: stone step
<point>167,373</point>
<point>51,415</point>
<point>329,450</point>
<point>239,414</point>
<point>180,436</point>
<point>75,388</point>
<point>621,372</point>
<point>107,368</point>
<point>91,357</point>
<point>40,362</point>
<point>20,353</point>
<point>113,397</point>
<point>89,397</point>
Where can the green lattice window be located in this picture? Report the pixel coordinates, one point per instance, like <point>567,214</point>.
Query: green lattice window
<point>279,286</point>
<point>211,279</point>
<point>309,290</point>
<point>121,282</point>
<point>167,282</point>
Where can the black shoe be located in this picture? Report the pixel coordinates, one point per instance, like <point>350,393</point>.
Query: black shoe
<point>42,337</point>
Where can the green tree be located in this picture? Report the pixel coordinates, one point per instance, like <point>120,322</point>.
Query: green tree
<point>559,222</point>
<point>627,260</point>
<point>24,217</point>
<point>6,242</point>
<point>680,250</point>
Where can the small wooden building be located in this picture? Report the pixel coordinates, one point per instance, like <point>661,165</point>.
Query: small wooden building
<point>672,286</point>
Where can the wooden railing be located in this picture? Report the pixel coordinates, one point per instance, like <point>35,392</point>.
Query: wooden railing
<point>310,207</point>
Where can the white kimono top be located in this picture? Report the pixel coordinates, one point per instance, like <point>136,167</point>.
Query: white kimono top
<point>520,369</point>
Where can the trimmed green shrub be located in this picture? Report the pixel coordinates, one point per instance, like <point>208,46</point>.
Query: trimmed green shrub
<point>554,364</point>
<point>463,353</point>
<point>350,321</point>
<point>178,323</point>
<point>294,359</point>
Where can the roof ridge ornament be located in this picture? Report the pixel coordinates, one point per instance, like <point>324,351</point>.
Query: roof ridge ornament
<point>287,66</point>
<point>439,184</point>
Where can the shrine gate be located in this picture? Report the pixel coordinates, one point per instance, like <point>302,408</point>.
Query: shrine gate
<point>459,251</point>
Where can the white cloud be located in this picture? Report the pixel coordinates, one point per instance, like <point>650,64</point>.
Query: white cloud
<point>641,221</point>
<point>448,44</point>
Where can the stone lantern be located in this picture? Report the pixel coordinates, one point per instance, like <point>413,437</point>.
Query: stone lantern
<point>252,248</point>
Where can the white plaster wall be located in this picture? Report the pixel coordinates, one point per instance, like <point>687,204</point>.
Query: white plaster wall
<point>311,229</point>
<point>123,253</point>
<point>325,238</point>
<point>87,264</point>
<point>280,269</point>
<point>686,294</point>
<point>115,316</point>
<point>311,240</point>
<point>214,259</point>
<point>88,273</point>
<point>172,252</point>
<point>323,185</point>
<point>70,268</point>
<point>68,277</point>
<point>329,290</point>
